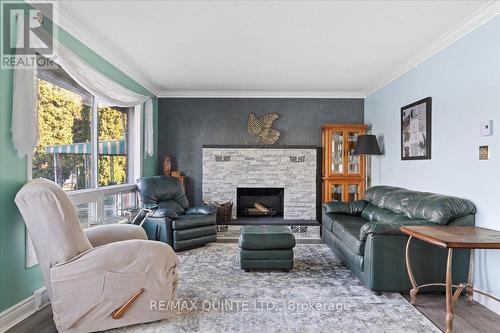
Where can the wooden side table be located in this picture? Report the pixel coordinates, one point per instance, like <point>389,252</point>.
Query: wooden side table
<point>451,237</point>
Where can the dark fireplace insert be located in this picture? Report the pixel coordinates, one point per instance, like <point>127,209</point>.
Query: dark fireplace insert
<point>259,202</point>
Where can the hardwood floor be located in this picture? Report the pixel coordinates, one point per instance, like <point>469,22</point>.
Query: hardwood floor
<point>468,319</point>
<point>39,322</point>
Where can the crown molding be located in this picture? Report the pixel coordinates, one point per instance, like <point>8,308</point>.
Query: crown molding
<point>70,25</point>
<point>259,94</point>
<point>481,16</point>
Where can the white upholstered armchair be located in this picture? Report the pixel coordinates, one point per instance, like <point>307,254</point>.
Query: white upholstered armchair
<point>95,273</point>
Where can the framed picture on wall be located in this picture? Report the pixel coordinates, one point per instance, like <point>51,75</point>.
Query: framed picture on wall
<point>416,130</point>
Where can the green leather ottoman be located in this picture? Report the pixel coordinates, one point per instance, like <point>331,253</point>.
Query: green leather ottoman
<point>266,247</point>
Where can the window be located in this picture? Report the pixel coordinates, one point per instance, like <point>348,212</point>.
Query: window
<point>82,145</point>
<point>62,153</point>
<point>112,165</point>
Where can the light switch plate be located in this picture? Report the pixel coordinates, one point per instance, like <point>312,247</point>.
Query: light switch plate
<point>484,153</point>
<point>486,128</point>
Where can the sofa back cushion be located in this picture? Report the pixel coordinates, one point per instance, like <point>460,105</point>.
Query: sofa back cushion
<point>374,214</point>
<point>398,200</point>
<point>377,194</point>
<point>437,208</point>
<point>394,204</point>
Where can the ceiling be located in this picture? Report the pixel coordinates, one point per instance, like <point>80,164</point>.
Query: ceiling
<point>350,48</point>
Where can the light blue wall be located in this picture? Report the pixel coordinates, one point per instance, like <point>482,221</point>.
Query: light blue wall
<point>464,83</point>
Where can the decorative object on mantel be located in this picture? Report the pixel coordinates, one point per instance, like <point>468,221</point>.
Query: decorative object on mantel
<point>416,130</point>
<point>167,165</point>
<point>344,177</point>
<point>261,127</point>
<point>167,162</point>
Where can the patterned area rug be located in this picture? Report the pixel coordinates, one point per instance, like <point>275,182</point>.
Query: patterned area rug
<point>319,295</point>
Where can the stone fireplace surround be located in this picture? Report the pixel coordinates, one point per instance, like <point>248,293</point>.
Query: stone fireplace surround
<point>294,168</point>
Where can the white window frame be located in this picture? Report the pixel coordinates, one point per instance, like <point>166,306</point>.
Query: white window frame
<point>96,194</point>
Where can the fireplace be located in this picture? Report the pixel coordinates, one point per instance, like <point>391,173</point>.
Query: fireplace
<point>259,202</point>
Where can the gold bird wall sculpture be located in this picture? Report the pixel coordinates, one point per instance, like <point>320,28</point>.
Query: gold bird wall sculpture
<point>261,127</point>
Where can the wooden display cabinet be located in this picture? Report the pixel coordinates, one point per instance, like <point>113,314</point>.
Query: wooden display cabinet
<point>343,173</point>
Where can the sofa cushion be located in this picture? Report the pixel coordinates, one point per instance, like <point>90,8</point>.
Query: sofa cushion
<point>437,208</point>
<point>377,194</point>
<point>373,214</point>
<point>347,229</point>
<point>346,208</point>
<point>193,221</point>
<point>398,200</point>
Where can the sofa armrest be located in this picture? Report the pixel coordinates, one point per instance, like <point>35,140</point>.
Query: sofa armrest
<point>105,234</point>
<point>164,212</point>
<point>201,210</point>
<point>386,228</point>
<point>345,208</point>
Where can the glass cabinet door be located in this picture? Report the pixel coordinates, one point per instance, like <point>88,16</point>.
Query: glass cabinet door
<point>337,162</point>
<point>353,161</point>
<point>353,191</point>
<point>337,192</point>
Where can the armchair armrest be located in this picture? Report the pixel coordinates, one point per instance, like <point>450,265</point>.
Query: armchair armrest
<point>164,212</point>
<point>103,278</point>
<point>201,210</point>
<point>105,234</point>
<point>346,208</point>
<point>386,228</point>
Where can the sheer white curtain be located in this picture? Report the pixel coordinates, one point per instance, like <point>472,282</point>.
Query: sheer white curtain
<point>148,129</point>
<point>24,125</point>
<point>107,91</point>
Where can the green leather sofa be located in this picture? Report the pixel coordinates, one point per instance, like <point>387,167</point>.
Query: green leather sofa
<point>365,235</point>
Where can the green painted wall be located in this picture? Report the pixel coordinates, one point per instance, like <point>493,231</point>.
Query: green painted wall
<point>16,281</point>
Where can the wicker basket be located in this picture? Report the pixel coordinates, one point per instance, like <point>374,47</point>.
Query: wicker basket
<point>224,211</point>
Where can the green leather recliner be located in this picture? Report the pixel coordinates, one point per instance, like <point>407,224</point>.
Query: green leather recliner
<point>365,235</point>
<point>174,222</point>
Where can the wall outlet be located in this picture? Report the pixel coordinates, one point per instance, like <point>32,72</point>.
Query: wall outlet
<point>486,128</point>
<point>40,298</point>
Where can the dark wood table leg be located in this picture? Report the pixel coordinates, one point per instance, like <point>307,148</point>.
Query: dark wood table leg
<point>449,293</point>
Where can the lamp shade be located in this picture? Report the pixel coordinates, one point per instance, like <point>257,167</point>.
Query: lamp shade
<point>367,145</point>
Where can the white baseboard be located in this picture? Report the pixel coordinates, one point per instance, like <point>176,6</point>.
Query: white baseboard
<point>16,313</point>
<point>487,302</point>
<point>22,310</point>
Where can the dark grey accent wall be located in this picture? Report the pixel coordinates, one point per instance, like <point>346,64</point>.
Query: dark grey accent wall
<point>186,124</point>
